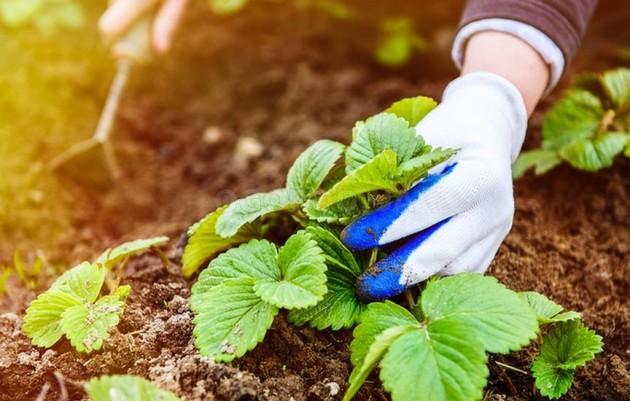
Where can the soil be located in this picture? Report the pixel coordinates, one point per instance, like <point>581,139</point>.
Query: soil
<point>283,78</point>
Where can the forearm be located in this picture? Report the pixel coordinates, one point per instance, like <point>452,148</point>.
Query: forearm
<point>529,42</point>
<point>510,57</point>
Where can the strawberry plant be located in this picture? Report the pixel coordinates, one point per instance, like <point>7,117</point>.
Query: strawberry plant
<point>587,128</point>
<point>73,306</point>
<point>567,346</point>
<point>434,350</point>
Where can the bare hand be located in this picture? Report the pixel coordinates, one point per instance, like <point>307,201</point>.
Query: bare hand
<point>122,14</point>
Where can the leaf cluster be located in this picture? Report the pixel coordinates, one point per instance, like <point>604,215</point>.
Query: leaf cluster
<point>587,128</point>
<point>437,351</point>
<point>385,156</point>
<point>46,16</point>
<point>73,306</point>
<point>237,297</point>
<point>567,346</point>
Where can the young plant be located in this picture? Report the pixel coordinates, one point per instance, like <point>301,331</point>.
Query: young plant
<point>73,305</point>
<point>587,128</point>
<point>398,40</point>
<point>126,388</point>
<point>390,132</point>
<point>47,16</point>
<point>567,346</point>
<point>348,193</point>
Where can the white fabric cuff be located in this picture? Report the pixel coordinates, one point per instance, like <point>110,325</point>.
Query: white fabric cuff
<point>498,94</point>
<point>548,50</point>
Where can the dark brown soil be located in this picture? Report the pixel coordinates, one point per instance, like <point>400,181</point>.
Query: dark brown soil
<point>287,78</point>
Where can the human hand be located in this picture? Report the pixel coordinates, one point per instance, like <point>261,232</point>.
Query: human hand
<point>121,16</point>
<point>455,219</point>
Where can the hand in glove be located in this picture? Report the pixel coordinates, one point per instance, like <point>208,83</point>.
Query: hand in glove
<point>455,219</point>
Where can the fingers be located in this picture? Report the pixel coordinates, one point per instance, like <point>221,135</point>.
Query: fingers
<point>166,22</point>
<point>477,259</point>
<point>457,189</point>
<point>461,243</point>
<point>121,15</point>
<point>384,279</point>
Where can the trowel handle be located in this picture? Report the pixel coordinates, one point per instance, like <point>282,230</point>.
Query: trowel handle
<point>135,44</point>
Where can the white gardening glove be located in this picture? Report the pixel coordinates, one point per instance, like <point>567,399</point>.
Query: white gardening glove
<point>454,220</point>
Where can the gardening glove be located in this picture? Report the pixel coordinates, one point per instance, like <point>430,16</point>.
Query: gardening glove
<point>123,15</point>
<point>454,220</point>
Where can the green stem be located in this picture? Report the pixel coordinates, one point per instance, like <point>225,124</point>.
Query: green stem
<point>409,298</point>
<point>373,256</point>
<point>364,201</point>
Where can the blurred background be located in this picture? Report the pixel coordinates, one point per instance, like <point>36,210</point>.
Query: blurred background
<point>221,116</point>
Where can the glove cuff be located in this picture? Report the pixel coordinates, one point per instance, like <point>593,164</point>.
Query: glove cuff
<point>499,97</point>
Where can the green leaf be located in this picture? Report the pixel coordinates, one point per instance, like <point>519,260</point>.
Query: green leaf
<point>335,252</point>
<point>88,325</point>
<point>440,362</point>
<point>384,131</point>
<point>126,388</point>
<point>311,168</point>
<point>83,281</point>
<point>542,160</point>
<point>595,154</point>
<point>17,12</point>
<point>567,346</point>
<point>255,260</point>
<point>339,213</point>
<point>303,275</point>
<point>248,209</point>
<point>371,176</point>
<point>576,116</point>
<point>378,317</point>
<point>339,308</point>
<point>546,310</point>
<point>397,41</point>
<point>376,351</point>
<point>204,242</point>
<point>616,83</point>
<point>394,50</point>
<point>497,315</point>
<point>227,6</point>
<point>42,323</point>
<point>412,109</point>
<point>230,319</point>
<point>112,256</point>
<point>551,381</point>
<point>570,345</point>
<point>412,170</point>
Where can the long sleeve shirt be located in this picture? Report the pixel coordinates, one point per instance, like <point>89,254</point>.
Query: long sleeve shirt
<point>552,27</point>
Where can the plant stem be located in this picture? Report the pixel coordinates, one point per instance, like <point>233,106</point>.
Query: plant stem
<point>364,201</point>
<point>607,120</point>
<point>373,256</point>
<point>505,365</point>
<point>409,298</point>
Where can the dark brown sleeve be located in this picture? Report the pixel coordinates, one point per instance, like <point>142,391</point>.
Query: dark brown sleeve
<point>564,21</point>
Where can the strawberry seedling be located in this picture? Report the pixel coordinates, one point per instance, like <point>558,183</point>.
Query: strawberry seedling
<point>587,128</point>
<point>73,306</point>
